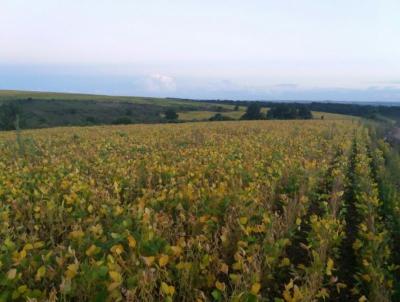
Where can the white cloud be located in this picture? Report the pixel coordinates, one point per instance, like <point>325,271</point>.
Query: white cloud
<point>159,82</point>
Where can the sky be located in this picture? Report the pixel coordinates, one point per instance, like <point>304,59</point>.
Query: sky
<point>347,50</point>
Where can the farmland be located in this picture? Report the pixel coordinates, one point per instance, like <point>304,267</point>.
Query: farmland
<point>227,211</point>
<point>47,109</point>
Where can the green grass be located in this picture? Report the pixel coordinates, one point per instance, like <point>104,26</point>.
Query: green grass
<point>48,109</point>
<point>9,95</point>
<point>205,115</point>
<point>332,116</point>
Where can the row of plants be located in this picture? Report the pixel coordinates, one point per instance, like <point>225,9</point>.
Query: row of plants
<point>373,278</point>
<point>188,212</point>
<point>386,171</point>
<point>313,274</point>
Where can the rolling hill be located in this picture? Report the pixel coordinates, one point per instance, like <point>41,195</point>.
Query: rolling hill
<point>46,109</point>
<point>50,109</point>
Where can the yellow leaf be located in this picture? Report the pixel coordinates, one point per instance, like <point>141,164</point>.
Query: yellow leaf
<point>163,261</point>
<point>115,276</point>
<point>285,262</point>
<point>203,219</point>
<point>177,250</point>
<point>113,286</point>
<point>184,265</point>
<point>72,270</point>
<point>224,268</point>
<point>22,289</point>
<point>38,244</point>
<point>28,247</point>
<point>243,220</point>
<point>220,285</point>
<point>357,244</point>
<point>255,288</point>
<point>117,249</point>
<point>323,293</point>
<point>362,299</point>
<point>116,187</point>
<point>234,277</point>
<point>329,267</point>
<point>91,250</point>
<point>131,242</point>
<point>40,273</point>
<point>169,290</point>
<point>76,234</point>
<point>148,260</point>
<point>12,273</point>
<point>90,208</point>
<point>366,277</point>
<point>289,285</point>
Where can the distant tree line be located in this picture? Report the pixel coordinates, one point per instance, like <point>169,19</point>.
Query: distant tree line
<point>38,113</point>
<point>43,113</point>
<point>8,115</point>
<point>277,112</point>
<point>372,111</point>
<point>289,112</point>
<point>171,115</point>
<point>220,117</point>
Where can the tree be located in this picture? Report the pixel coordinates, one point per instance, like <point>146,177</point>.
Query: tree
<point>289,112</point>
<point>122,121</point>
<point>8,116</point>
<point>236,108</point>
<point>171,115</point>
<point>253,112</point>
<point>220,117</point>
<point>304,112</point>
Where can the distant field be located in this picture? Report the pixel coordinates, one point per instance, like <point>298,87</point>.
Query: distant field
<point>332,116</point>
<point>205,115</point>
<point>45,109</point>
<point>7,95</point>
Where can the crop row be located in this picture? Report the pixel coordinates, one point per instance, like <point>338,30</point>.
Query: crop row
<point>241,211</point>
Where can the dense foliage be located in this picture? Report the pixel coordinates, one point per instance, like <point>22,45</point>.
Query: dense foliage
<point>253,112</point>
<point>373,111</point>
<point>52,110</point>
<point>171,115</point>
<point>289,112</point>
<point>230,211</point>
<point>8,116</point>
<point>220,117</point>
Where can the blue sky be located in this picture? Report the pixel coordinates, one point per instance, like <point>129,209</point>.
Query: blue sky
<point>259,49</point>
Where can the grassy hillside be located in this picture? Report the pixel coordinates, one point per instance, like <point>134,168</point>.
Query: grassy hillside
<point>45,109</point>
<point>9,95</point>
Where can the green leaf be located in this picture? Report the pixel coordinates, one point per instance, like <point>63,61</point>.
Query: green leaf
<point>102,271</point>
<point>101,295</point>
<point>249,297</point>
<point>216,295</point>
